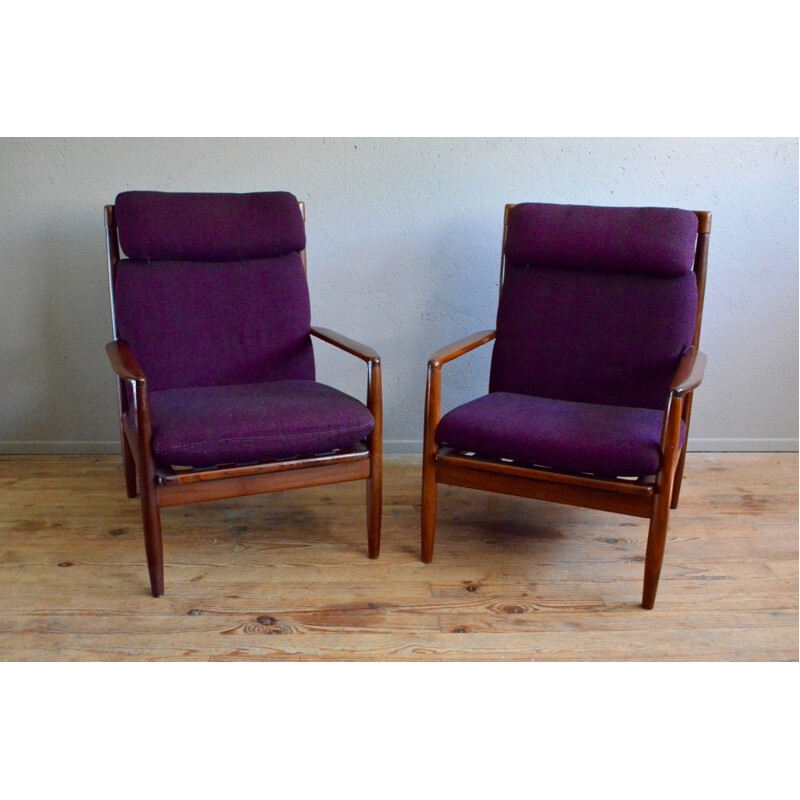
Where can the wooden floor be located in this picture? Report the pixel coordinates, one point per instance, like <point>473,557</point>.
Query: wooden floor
<point>286,576</point>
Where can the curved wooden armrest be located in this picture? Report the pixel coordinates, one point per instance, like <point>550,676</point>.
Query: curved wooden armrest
<point>689,374</point>
<point>124,362</point>
<point>433,389</point>
<point>687,377</point>
<point>459,348</point>
<point>351,346</point>
<point>373,361</point>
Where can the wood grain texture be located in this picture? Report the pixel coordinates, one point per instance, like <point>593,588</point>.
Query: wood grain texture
<point>284,577</point>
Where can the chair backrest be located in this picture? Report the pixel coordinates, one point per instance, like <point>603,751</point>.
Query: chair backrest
<point>213,288</point>
<point>597,304</point>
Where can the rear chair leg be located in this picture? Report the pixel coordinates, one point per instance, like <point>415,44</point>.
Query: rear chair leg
<point>676,488</point>
<point>129,466</point>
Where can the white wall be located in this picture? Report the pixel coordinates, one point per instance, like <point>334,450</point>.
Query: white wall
<point>403,246</point>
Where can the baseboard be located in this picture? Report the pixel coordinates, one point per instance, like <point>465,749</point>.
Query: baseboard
<point>402,447</point>
<point>394,447</point>
<point>59,448</point>
<point>414,446</point>
<point>743,445</point>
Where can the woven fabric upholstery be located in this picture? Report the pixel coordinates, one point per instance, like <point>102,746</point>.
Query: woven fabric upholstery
<point>206,426</point>
<point>592,337</point>
<point>211,324</point>
<point>183,226</point>
<point>656,241</point>
<point>214,290</point>
<point>598,304</point>
<point>607,441</point>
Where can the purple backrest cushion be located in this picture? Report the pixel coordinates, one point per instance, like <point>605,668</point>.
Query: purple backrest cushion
<point>608,327</point>
<point>206,310</point>
<point>658,241</point>
<point>187,226</point>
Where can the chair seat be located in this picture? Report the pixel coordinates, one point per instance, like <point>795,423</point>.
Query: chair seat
<point>206,426</point>
<point>608,441</point>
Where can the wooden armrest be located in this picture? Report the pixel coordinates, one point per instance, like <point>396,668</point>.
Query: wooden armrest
<point>689,374</point>
<point>456,349</point>
<point>433,389</point>
<point>351,346</point>
<point>124,362</point>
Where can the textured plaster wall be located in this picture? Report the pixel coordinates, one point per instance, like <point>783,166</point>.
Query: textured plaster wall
<point>403,247</point>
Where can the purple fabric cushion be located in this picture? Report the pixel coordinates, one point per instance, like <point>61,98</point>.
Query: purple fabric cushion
<point>211,324</point>
<point>211,425</point>
<point>609,338</point>
<point>608,441</point>
<point>184,226</point>
<point>659,241</point>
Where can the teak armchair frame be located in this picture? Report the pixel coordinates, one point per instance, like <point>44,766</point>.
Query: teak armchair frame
<point>651,498</point>
<point>159,486</point>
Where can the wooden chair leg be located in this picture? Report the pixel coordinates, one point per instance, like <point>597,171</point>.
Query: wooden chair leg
<point>656,542</point>
<point>657,535</point>
<point>374,506</point>
<point>657,539</point>
<point>433,401</point>
<point>665,493</point>
<point>129,467</point>
<point>375,444</point>
<point>428,511</point>
<point>151,519</point>
<point>676,487</point>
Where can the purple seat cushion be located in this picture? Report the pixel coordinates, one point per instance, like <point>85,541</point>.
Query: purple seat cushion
<point>209,324</point>
<point>197,226</point>
<point>608,441</point>
<point>658,241</point>
<point>205,426</point>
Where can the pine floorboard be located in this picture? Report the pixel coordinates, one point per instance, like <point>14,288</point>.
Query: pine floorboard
<point>285,577</point>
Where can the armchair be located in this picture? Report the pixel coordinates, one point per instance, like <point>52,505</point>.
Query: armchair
<point>213,355</point>
<point>594,365</point>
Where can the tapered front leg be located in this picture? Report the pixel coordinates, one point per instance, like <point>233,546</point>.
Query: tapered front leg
<point>375,444</point>
<point>428,511</point>
<point>665,483</point>
<point>151,520</point>
<point>654,557</point>
<point>429,488</point>
<point>151,517</point>
<point>374,511</point>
